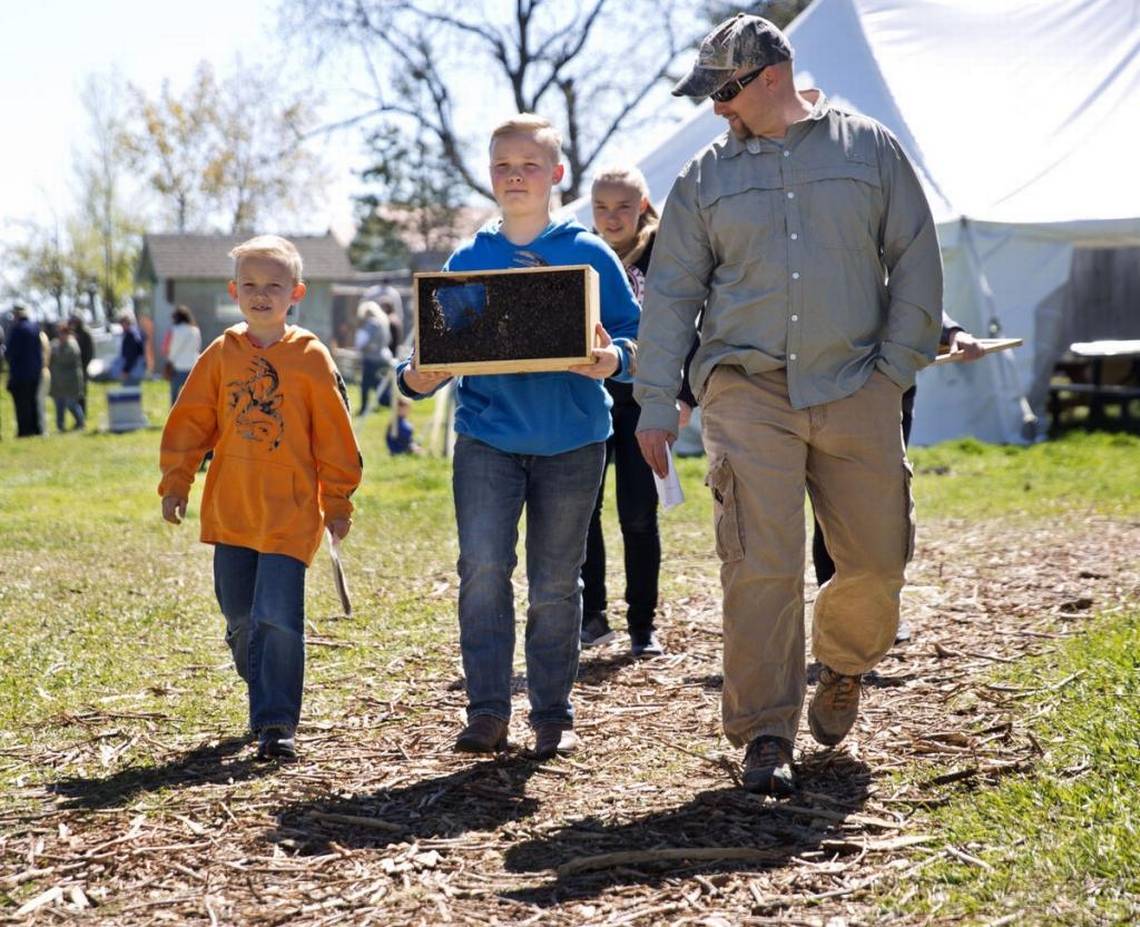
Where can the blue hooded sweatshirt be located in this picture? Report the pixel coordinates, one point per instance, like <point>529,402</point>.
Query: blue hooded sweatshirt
<point>544,413</point>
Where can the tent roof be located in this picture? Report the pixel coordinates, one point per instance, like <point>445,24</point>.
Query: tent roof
<point>1013,111</point>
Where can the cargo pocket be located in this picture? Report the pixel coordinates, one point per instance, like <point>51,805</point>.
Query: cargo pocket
<point>726,519</point>
<point>910,525</point>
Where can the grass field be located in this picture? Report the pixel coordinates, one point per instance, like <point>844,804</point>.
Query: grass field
<point>1063,843</point>
<point>111,661</point>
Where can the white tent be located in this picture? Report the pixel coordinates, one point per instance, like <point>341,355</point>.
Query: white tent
<point>1022,118</point>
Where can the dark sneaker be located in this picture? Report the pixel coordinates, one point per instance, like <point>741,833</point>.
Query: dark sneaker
<point>483,734</point>
<point>645,644</point>
<point>834,707</point>
<point>276,743</point>
<point>768,766</point>
<point>554,739</point>
<point>596,629</point>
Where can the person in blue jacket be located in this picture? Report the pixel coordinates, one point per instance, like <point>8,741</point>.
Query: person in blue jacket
<point>131,361</point>
<point>25,370</point>
<point>533,440</point>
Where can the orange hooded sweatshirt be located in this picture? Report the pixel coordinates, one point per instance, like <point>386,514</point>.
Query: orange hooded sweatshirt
<point>285,456</point>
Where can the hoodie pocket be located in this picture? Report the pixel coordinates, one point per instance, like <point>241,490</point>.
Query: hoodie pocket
<point>256,497</point>
<point>726,518</point>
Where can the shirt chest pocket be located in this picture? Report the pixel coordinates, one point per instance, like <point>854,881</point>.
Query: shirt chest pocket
<point>742,213</point>
<point>841,205</point>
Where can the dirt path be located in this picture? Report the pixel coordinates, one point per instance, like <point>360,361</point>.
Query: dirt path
<point>381,823</point>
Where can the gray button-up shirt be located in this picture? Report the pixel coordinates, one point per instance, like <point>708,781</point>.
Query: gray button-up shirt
<point>818,255</point>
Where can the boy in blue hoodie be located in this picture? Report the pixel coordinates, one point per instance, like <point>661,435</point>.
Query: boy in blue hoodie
<point>533,440</point>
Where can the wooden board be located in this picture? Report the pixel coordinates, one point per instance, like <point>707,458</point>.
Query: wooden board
<point>521,320</point>
<point>989,346</point>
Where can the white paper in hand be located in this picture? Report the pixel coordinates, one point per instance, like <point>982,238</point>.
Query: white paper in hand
<point>669,489</point>
<point>338,572</point>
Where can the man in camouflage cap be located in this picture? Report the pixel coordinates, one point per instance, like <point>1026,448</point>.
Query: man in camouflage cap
<point>740,41</point>
<point>806,237</point>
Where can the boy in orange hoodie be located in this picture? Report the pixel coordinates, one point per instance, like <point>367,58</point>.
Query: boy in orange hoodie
<point>268,400</point>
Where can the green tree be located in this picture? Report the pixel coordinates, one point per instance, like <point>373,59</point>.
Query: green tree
<point>412,204</point>
<point>40,268</point>
<point>379,242</point>
<point>94,267</point>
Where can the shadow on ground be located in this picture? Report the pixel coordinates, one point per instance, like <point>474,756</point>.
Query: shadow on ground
<point>491,794</point>
<point>595,668</point>
<point>481,797</point>
<point>209,763</point>
<point>713,821</point>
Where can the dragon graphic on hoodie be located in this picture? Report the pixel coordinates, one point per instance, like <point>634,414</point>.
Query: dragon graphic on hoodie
<point>258,404</point>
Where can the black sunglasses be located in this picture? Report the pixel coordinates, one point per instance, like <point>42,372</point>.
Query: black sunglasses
<point>728,91</point>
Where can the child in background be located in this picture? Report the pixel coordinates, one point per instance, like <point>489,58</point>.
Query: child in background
<point>403,441</point>
<point>266,397</point>
<point>533,440</point>
<point>625,218</point>
<point>373,338</point>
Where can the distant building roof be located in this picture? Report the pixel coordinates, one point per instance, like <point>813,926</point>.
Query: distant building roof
<point>206,257</point>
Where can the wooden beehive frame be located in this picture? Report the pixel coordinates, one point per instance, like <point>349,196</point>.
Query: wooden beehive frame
<point>591,312</point>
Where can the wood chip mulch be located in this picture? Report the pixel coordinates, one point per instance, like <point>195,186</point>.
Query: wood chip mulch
<point>379,822</point>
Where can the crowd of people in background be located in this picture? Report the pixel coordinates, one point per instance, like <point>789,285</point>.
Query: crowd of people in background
<point>56,359</point>
<point>53,359</point>
<point>45,361</point>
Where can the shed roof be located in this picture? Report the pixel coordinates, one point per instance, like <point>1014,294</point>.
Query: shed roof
<point>206,257</point>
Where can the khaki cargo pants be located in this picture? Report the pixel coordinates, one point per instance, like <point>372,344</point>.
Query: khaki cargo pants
<point>762,455</point>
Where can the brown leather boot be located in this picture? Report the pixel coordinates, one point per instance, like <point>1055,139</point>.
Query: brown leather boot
<point>768,766</point>
<point>483,734</point>
<point>834,707</point>
<point>554,738</point>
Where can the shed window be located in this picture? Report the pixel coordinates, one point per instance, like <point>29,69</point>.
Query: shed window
<point>170,289</point>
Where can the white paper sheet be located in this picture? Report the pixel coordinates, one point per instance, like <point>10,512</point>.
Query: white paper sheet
<point>669,489</point>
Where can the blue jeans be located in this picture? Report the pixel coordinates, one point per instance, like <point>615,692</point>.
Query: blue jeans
<point>177,381</point>
<point>135,375</point>
<point>491,488</point>
<point>70,404</point>
<point>372,375</point>
<point>263,599</point>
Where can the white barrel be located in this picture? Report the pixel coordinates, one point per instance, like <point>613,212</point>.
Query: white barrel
<point>124,409</point>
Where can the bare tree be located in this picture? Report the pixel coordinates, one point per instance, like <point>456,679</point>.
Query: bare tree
<point>89,252</point>
<point>226,153</point>
<point>262,166</point>
<point>103,233</point>
<point>170,140</point>
<point>588,65</point>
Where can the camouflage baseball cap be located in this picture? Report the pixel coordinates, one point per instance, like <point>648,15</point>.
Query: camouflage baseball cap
<point>739,41</point>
